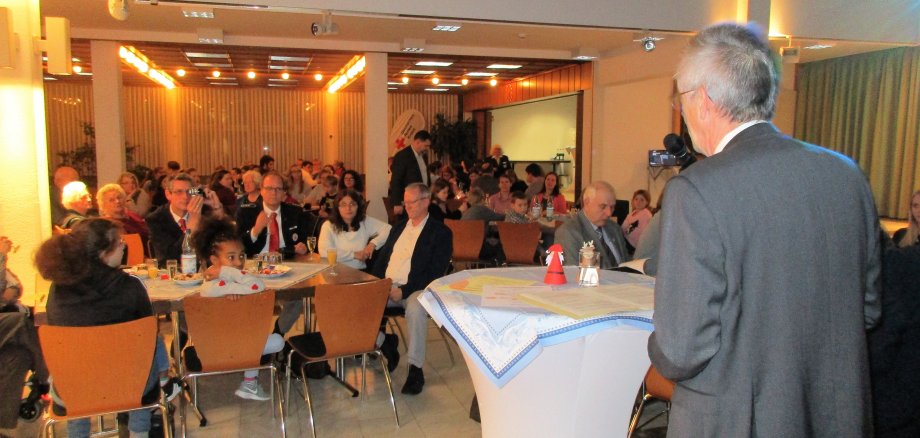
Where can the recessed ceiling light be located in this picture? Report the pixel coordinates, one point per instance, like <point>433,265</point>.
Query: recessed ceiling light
<point>77,69</point>
<point>85,73</point>
<point>318,76</point>
<point>493,82</point>
<point>818,47</point>
<point>418,72</point>
<point>232,84</point>
<point>435,81</point>
<point>464,81</point>
<point>72,59</point>
<point>49,78</point>
<point>210,35</point>
<point>395,83</point>
<point>436,89</point>
<point>434,63</point>
<point>448,85</point>
<point>446,26</point>
<point>212,65</point>
<point>281,80</point>
<point>286,67</point>
<point>251,74</point>
<point>220,78</point>
<point>207,55</point>
<point>215,73</point>
<point>197,12</point>
<point>180,72</point>
<point>290,58</point>
<point>391,88</point>
<point>285,75</point>
<point>281,85</point>
<point>413,49</point>
<point>481,74</point>
<point>504,66</point>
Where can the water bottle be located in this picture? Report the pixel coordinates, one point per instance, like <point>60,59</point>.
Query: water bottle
<point>549,211</point>
<point>536,210</point>
<point>189,261</point>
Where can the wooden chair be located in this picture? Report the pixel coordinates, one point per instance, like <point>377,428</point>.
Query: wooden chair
<point>135,248</point>
<point>519,242</point>
<point>653,386</point>
<point>391,215</point>
<point>81,358</point>
<point>468,237</point>
<point>229,336</point>
<point>349,319</point>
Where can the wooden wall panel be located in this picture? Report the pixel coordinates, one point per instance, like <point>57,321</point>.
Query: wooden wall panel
<point>563,80</point>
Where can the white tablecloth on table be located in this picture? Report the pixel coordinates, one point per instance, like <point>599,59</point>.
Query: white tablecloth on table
<point>502,341</point>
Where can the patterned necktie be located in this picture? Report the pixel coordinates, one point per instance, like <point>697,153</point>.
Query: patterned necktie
<point>273,241</point>
<point>607,251</point>
<point>182,225</point>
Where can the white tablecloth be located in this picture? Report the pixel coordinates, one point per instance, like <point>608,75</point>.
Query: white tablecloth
<point>542,374</point>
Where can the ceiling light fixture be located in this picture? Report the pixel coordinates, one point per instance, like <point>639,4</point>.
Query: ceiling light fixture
<point>446,26</point>
<point>493,82</point>
<point>405,79</point>
<point>464,81</point>
<point>289,58</point>
<point>504,66</point>
<point>435,63</point>
<point>210,35</point>
<point>351,71</point>
<point>448,85</point>
<point>585,54</point>
<point>418,72</point>
<point>481,74</point>
<point>435,81</point>
<point>215,73</point>
<point>77,69</point>
<point>285,75</point>
<point>207,55</point>
<point>811,47</point>
<point>251,74</point>
<point>436,89</point>
<point>413,45</point>
<point>133,57</point>
<point>318,76</point>
<point>180,72</point>
<point>197,12</point>
<point>212,64</point>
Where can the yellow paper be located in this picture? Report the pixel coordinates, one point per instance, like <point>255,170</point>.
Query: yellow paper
<point>476,283</point>
<point>588,302</point>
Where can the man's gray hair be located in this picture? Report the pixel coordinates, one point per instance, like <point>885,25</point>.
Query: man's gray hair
<point>180,177</point>
<point>590,191</point>
<point>423,190</point>
<point>735,65</point>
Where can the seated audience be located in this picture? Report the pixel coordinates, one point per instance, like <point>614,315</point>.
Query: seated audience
<point>438,208</point>
<point>501,201</point>
<point>326,203</point>
<point>498,163</point>
<point>315,195</point>
<point>534,180</point>
<point>637,220</point>
<point>111,200</point>
<point>478,210</point>
<point>89,289</point>
<point>62,176</point>
<point>137,200</point>
<point>593,224</point>
<point>297,187</point>
<point>516,184</point>
<point>911,235</point>
<point>218,245</point>
<point>306,172</point>
<point>447,174</point>
<point>351,180</point>
<point>517,214</point>
<point>236,174</point>
<point>352,234</point>
<point>168,223</point>
<point>550,195</point>
<point>222,184</point>
<point>77,201</point>
<point>251,199</point>
<point>416,253</point>
<point>266,164</point>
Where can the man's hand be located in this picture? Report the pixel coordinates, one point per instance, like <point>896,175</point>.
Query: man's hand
<point>398,209</point>
<point>300,248</point>
<point>211,200</point>
<point>396,294</point>
<point>261,223</point>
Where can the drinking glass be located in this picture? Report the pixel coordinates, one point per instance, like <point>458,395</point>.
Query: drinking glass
<point>153,271</point>
<point>331,255</point>
<point>273,258</point>
<point>311,244</point>
<point>251,264</point>
<point>172,266</point>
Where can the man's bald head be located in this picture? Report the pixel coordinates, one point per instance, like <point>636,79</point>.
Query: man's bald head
<point>64,175</point>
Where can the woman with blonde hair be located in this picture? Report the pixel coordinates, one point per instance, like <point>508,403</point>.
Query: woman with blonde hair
<point>911,235</point>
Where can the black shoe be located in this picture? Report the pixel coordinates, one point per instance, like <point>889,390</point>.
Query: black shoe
<point>414,381</point>
<point>390,351</point>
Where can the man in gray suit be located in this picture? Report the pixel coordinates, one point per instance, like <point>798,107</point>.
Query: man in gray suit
<point>761,308</point>
<point>593,224</point>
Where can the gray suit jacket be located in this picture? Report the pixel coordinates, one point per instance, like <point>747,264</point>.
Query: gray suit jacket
<point>576,231</point>
<point>768,277</point>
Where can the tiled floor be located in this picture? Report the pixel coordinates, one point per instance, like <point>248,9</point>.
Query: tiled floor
<point>441,410</point>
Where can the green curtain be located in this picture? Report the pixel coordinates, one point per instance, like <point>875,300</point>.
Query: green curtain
<point>868,108</point>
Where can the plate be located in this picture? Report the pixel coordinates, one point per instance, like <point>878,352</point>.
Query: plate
<point>274,271</point>
<point>189,283</point>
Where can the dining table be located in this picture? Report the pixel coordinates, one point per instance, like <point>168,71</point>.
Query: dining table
<point>540,373</point>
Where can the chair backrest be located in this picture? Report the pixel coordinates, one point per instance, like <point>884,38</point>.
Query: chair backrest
<point>453,204</point>
<point>467,239</point>
<point>135,248</point>
<point>348,315</point>
<point>102,368</point>
<point>657,385</point>
<point>391,215</point>
<point>519,241</point>
<point>229,334</point>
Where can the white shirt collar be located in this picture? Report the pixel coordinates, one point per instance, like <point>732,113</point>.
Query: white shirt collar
<point>269,211</point>
<point>177,217</point>
<point>420,224</point>
<point>731,134</point>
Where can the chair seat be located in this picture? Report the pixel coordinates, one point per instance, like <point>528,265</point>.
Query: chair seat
<point>309,345</point>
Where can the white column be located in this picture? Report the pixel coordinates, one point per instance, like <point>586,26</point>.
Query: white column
<point>108,111</point>
<point>330,151</point>
<point>375,135</point>
<point>25,209</point>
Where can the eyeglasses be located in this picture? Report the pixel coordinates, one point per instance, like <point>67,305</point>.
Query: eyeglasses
<point>273,189</point>
<point>413,202</point>
<point>675,98</point>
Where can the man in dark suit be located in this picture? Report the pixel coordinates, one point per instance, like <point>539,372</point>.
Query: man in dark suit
<point>409,167</point>
<point>291,223</point>
<point>168,223</point>
<point>416,253</point>
<point>593,224</point>
<point>760,318</point>
<point>276,227</point>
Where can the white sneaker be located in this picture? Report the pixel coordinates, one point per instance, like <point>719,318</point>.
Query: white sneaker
<point>251,390</point>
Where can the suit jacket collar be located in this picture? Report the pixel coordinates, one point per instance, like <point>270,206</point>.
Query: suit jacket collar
<point>750,132</point>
